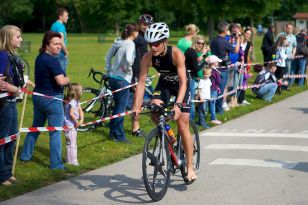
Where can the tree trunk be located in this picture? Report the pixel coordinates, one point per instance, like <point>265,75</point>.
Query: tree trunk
<point>211,27</point>
<point>117,28</point>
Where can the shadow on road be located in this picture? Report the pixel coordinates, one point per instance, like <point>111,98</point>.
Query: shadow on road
<point>120,188</point>
<point>302,109</point>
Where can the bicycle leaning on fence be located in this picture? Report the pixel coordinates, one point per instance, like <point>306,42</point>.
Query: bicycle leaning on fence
<point>101,103</point>
<point>164,154</point>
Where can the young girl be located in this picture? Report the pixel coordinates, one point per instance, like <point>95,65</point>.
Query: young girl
<point>73,118</point>
<point>204,92</point>
<point>280,56</point>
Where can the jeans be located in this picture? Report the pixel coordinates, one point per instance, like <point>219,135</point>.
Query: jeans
<point>51,110</point>
<point>192,93</point>
<point>212,105</point>
<point>224,78</point>
<point>299,63</point>
<point>8,126</point>
<point>120,102</point>
<point>267,91</point>
<point>202,115</point>
<point>289,66</point>
<point>63,61</point>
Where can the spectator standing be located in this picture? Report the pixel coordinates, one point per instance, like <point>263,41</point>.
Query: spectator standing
<point>213,62</point>
<point>59,26</point>
<point>50,79</point>
<point>186,42</point>
<point>290,49</point>
<point>280,57</point>
<point>141,46</point>
<point>10,80</point>
<point>267,44</point>
<point>221,48</point>
<point>204,93</point>
<point>300,63</point>
<point>73,118</point>
<point>120,74</point>
<point>246,47</point>
<point>268,82</point>
<point>193,62</point>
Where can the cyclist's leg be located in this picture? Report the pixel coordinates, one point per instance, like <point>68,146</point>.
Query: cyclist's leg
<point>183,126</point>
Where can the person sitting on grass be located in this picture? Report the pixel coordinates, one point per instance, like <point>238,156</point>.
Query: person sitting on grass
<point>268,83</point>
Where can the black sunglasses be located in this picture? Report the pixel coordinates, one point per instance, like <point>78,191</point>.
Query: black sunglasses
<point>200,43</point>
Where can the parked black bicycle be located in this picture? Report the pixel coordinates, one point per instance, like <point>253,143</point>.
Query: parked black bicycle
<point>101,103</point>
<point>163,155</point>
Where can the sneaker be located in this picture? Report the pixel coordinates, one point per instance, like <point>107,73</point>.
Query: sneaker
<point>126,141</point>
<point>138,133</point>
<point>216,122</point>
<point>226,108</point>
<point>203,125</point>
<point>6,183</point>
<point>13,179</point>
<point>245,102</point>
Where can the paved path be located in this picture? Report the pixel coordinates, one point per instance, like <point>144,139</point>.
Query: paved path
<point>260,158</point>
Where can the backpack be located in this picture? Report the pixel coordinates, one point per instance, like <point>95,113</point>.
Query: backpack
<point>8,79</point>
<point>301,48</point>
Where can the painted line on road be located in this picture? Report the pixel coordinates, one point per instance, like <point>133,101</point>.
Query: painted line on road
<point>243,134</point>
<point>255,163</point>
<point>258,147</point>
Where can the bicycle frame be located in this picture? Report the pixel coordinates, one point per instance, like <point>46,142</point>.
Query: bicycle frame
<point>175,161</point>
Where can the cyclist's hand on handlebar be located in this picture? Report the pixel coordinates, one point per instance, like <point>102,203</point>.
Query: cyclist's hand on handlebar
<point>177,112</point>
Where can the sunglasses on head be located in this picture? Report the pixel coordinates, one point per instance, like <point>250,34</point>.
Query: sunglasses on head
<point>201,43</point>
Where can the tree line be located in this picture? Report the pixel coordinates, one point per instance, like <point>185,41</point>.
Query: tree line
<point>108,16</point>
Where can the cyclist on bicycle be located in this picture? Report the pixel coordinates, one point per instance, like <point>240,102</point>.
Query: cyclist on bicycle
<point>141,48</point>
<point>169,61</point>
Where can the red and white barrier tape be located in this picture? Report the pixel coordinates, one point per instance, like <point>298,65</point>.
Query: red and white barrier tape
<point>295,76</point>
<point>229,93</point>
<point>9,139</point>
<point>109,93</point>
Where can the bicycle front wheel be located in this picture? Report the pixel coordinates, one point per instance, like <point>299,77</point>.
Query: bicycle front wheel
<point>156,165</point>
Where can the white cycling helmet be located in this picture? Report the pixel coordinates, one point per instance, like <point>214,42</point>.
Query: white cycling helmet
<point>156,32</point>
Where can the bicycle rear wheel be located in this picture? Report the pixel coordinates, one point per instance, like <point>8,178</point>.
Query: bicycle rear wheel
<point>196,150</point>
<point>156,165</point>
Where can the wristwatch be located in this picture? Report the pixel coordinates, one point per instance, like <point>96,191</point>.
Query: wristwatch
<point>180,105</point>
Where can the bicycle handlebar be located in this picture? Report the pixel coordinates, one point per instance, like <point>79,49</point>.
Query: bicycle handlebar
<point>103,77</point>
<point>161,109</point>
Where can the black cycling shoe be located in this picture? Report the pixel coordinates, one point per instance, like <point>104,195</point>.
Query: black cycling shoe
<point>138,133</point>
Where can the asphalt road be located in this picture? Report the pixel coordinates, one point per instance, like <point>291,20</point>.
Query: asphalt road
<point>260,158</point>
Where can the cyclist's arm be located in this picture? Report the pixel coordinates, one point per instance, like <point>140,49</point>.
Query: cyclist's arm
<point>108,58</point>
<point>179,62</point>
<point>144,68</point>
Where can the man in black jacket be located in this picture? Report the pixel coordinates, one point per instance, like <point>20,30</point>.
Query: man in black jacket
<point>141,48</point>
<point>267,44</point>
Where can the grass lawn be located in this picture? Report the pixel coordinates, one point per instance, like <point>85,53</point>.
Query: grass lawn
<point>94,148</point>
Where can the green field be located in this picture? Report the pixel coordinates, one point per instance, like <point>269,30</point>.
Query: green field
<point>94,148</point>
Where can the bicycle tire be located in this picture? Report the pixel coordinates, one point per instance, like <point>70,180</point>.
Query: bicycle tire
<point>196,150</point>
<point>156,175</point>
<point>27,67</point>
<point>96,107</point>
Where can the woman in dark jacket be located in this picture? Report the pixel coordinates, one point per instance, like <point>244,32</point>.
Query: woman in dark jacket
<point>11,78</point>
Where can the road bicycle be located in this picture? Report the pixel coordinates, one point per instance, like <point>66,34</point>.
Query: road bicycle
<point>101,103</point>
<point>161,156</point>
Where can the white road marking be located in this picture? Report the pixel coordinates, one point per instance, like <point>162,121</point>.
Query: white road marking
<point>255,163</point>
<point>258,147</point>
<point>242,134</point>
